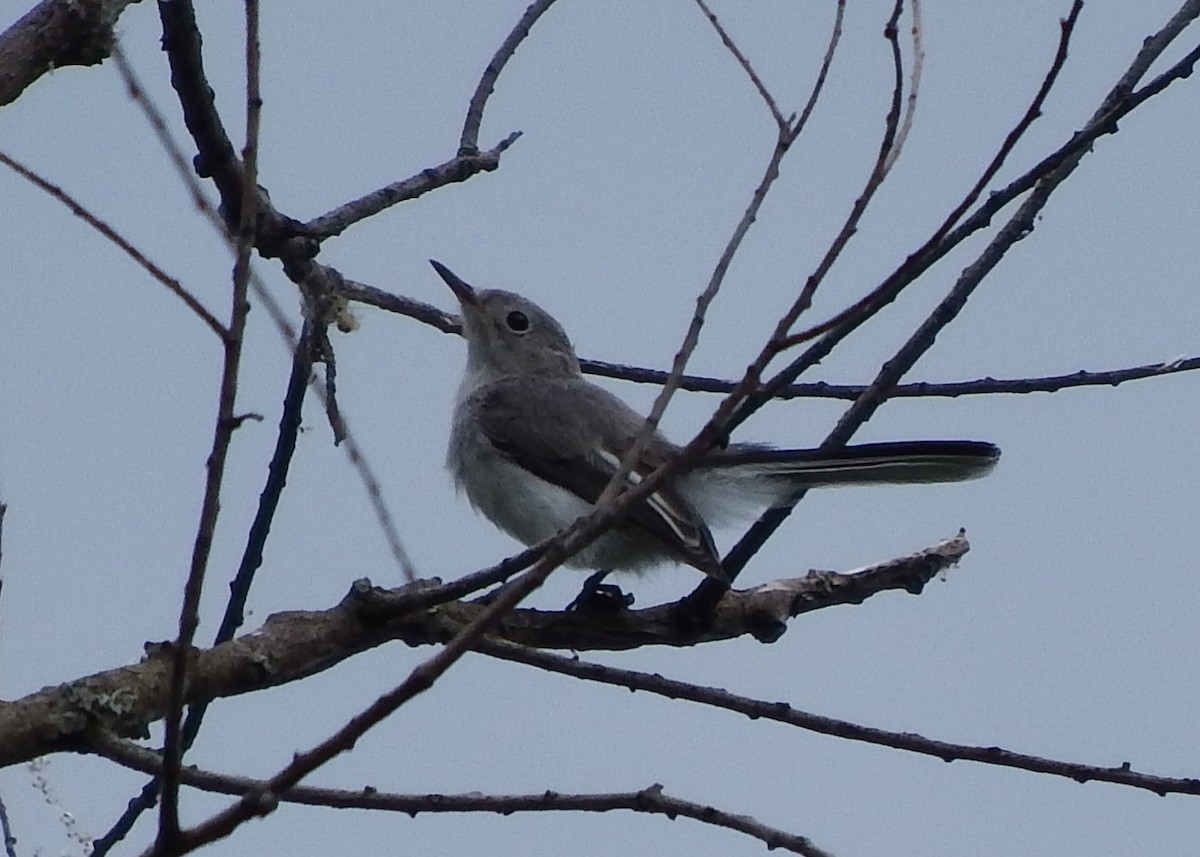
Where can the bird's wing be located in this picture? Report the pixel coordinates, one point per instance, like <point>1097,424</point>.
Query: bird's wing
<point>574,435</point>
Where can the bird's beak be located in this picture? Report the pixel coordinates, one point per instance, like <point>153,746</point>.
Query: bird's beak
<point>463,291</point>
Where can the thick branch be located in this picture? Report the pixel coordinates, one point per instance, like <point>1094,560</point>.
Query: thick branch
<point>293,645</point>
<point>53,34</point>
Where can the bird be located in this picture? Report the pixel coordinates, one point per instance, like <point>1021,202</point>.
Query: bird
<point>533,444</point>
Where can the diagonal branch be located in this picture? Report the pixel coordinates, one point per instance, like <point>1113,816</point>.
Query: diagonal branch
<point>783,143</point>
<point>781,123</point>
<point>1020,225</point>
<point>172,284</point>
<point>938,244</point>
<point>781,712</point>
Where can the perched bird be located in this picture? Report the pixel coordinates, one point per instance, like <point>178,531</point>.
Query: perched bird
<point>534,444</point>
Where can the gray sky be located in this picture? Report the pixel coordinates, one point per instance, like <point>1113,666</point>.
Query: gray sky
<point>1069,631</point>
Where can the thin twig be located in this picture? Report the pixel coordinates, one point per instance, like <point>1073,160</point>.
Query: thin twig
<point>469,142</point>
<point>783,143</point>
<point>938,244</point>
<point>692,337</point>
<point>175,287</point>
<point>268,502</point>
<point>652,800</point>
<point>10,841</point>
<point>1020,225</point>
<point>879,172</point>
<point>835,38</point>
<point>3,512</point>
<point>717,426</point>
<point>419,310</point>
<point>781,712</point>
<point>189,620</point>
<point>449,323</point>
<point>908,272</point>
<point>262,801</point>
<point>918,389</point>
<point>457,169</point>
<point>733,49</point>
<point>298,264</point>
<point>914,85</point>
<point>239,587</point>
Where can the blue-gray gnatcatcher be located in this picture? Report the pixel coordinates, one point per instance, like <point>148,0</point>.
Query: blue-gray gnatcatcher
<point>533,444</point>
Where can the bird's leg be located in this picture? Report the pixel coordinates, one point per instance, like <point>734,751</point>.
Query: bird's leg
<point>596,596</point>
<point>695,612</point>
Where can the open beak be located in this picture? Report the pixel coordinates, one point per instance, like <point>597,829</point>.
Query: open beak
<point>463,291</point>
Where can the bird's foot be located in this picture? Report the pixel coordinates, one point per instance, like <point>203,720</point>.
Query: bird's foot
<point>599,597</point>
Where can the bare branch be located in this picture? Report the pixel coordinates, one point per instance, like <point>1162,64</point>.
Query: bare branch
<point>781,712</point>
<point>448,323</point>
<point>914,86</point>
<point>730,46</point>
<point>457,169</point>
<point>239,587</point>
<point>652,800</point>
<point>294,645</point>
<point>175,287</point>
<point>690,455</point>
<point>932,249</point>
<point>226,423</point>
<point>1020,224</point>
<point>10,841</point>
<point>720,422</point>
<point>55,34</point>
<point>319,285</point>
<point>423,312</point>
<point>919,389</point>
<point>262,802</point>
<point>875,178</point>
<point>469,142</point>
<point>835,37</point>
<point>692,338</point>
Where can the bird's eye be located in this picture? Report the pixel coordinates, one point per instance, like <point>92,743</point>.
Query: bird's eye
<point>517,321</point>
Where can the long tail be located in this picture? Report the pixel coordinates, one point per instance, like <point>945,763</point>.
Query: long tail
<point>869,463</point>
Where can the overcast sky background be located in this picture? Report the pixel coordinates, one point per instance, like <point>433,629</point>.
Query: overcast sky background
<point>1069,631</point>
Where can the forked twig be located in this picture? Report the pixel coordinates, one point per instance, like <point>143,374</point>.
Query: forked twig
<point>691,339</point>
<point>942,241</point>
